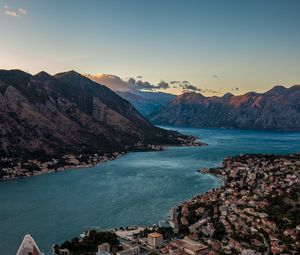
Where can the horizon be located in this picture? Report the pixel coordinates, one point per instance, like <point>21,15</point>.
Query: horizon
<point>158,91</point>
<point>209,47</point>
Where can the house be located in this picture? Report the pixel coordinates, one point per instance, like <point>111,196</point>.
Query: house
<point>64,252</point>
<point>155,240</point>
<point>188,246</point>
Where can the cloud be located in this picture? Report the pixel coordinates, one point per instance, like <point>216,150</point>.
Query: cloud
<point>163,85</point>
<point>210,91</point>
<point>185,85</point>
<point>112,81</point>
<point>22,12</point>
<point>132,85</point>
<point>145,85</point>
<point>190,87</point>
<point>14,13</point>
<point>118,84</point>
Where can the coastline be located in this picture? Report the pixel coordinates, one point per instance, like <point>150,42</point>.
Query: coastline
<point>213,171</point>
<point>217,158</point>
<point>18,173</point>
<point>244,214</point>
<point>211,242</point>
<point>17,168</point>
<point>233,217</point>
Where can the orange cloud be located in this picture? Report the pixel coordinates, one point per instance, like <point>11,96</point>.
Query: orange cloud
<point>14,13</point>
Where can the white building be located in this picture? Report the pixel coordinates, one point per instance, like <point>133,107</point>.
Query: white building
<point>155,240</point>
<point>164,224</point>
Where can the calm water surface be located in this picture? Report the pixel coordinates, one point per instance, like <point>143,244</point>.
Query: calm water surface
<point>137,189</point>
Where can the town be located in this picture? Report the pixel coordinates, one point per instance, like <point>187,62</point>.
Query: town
<point>255,211</point>
<point>10,168</point>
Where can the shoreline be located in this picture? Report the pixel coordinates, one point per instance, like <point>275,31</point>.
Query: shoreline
<point>238,216</point>
<point>215,171</point>
<point>242,207</point>
<point>18,169</point>
<point>153,226</point>
<point>22,173</point>
<point>218,217</point>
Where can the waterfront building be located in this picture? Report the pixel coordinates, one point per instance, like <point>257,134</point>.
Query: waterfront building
<point>188,246</point>
<point>155,240</point>
<point>164,224</point>
<point>64,252</point>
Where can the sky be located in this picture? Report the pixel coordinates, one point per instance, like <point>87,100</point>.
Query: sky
<point>209,46</point>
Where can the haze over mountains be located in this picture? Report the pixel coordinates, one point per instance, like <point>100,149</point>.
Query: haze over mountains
<point>65,113</point>
<point>146,102</point>
<point>276,109</point>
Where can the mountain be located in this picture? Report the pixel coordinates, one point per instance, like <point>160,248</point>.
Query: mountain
<point>68,113</point>
<point>146,102</point>
<point>276,109</point>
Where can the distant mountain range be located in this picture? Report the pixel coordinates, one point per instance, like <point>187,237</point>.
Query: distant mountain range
<point>65,113</point>
<point>276,109</point>
<point>146,102</point>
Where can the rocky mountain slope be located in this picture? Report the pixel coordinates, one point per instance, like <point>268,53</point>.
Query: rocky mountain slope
<point>69,113</point>
<point>147,103</point>
<point>276,109</point>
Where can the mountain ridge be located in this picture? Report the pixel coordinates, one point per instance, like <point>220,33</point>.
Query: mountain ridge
<point>68,113</point>
<point>275,109</point>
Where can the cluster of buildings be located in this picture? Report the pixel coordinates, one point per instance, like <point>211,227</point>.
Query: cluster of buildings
<point>246,214</point>
<point>153,243</point>
<point>12,169</point>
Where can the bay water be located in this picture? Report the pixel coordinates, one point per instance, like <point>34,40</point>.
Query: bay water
<point>137,189</point>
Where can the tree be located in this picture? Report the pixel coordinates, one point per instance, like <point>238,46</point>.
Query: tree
<point>183,230</point>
